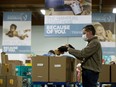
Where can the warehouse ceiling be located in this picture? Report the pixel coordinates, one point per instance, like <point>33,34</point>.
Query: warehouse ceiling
<point>35,5</point>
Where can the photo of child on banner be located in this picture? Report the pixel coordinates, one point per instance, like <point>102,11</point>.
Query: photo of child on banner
<point>14,33</point>
<point>104,34</point>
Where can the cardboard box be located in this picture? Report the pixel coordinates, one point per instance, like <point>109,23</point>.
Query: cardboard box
<point>14,81</point>
<point>11,69</point>
<point>113,73</point>
<point>2,81</point>
<point>15,62</point>
<point>0,68</point>
<point>3,69</point>
<point>6,69</point>
<point>4,58</point>
<point>104,75</point>
<point>74,63</point>
<point>61,69</point>
<point>40,69</point>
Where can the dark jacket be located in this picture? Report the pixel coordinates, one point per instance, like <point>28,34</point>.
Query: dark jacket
<point>91,55</point>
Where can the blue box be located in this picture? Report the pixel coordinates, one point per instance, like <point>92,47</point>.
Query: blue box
<point>23,70</point>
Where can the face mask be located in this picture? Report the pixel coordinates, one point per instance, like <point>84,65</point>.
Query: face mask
<point>84,37</point>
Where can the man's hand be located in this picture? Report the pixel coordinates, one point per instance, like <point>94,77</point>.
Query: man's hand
<point>69,46</point>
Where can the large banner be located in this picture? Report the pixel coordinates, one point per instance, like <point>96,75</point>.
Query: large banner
<point>16,32</point>
<point>105,25</point>
<point>66,17</point>
<point>58,30</point>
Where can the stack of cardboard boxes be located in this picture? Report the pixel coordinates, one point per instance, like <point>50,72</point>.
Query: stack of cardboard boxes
<point>53,69</point>
<point>107,73</point>
<point>63,69</point>
<point>113,73</point>
<point>40,69</point>
<point>8,76</point>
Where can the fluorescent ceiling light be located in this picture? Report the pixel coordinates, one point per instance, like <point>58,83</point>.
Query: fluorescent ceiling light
<point>42,11</point>
<point>114,10</point>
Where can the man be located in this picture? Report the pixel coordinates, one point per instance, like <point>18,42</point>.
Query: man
<point>91,56</point>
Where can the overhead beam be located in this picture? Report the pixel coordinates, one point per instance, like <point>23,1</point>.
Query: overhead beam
<point>21,1</point>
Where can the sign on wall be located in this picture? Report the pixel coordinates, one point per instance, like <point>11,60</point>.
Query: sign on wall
<point>66,17</point>
<point>16,32</point>
<point>104,24</point>
<point>58,30</point>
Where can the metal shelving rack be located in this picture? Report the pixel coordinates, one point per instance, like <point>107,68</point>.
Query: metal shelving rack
<point>57,84</point>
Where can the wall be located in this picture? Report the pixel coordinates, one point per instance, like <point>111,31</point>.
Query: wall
<point>0,37</point>
<point>42,44</point>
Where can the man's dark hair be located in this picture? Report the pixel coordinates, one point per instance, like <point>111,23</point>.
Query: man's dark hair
<point>90,28</point>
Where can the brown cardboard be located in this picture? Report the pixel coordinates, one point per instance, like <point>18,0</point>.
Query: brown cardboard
<point>4,58</point>
<point>113,73</point>
<point>61,69</point>
<point>15,62</point>
<point>2,81</point>
<point>6,69</point>
<point>14,81</point>
<point>104,75</point>
<point>40,69</point>
<point>74,63</point>
<point>12,69</point>
<point>0,68</point>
